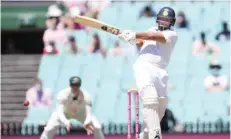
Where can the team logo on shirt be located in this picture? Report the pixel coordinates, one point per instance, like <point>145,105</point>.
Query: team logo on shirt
<point>165,13</point>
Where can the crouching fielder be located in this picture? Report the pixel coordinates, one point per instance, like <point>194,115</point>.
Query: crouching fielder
<point>150,74</point>
<point>73,103</point>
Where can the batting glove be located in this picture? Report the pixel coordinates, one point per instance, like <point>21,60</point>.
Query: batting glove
<point>128,36</point>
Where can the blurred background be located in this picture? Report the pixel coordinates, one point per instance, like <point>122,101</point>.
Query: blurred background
<point>42,48</point>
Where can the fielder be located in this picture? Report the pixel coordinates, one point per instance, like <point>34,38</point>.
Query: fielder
<point>149,69</point>
<point>73,103</point>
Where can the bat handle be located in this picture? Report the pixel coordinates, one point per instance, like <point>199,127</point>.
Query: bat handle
<point>119,32</point>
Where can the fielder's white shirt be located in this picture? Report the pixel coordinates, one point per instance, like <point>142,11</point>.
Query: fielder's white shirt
<point>157,53</point>
<point>68,108</point>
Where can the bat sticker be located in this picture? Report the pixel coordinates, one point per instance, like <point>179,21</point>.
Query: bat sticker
<point>112,30</point>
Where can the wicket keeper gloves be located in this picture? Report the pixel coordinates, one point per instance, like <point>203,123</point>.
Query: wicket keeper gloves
<point>128,36</point>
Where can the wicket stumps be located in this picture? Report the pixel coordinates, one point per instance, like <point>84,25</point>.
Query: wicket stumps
<point>129,134</point>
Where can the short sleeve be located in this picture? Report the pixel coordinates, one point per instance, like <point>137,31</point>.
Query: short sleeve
<point>170,36</point>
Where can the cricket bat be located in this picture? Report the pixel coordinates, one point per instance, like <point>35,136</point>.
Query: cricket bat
<point>87,21</point>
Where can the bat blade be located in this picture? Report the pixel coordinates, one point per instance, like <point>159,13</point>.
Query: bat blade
<point>87,21</point>
<point>96,24</point>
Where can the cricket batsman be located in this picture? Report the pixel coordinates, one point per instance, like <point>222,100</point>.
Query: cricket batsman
<point>73,103</point>
<point>149,69</point>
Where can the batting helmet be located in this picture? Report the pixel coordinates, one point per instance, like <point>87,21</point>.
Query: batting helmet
<point>166,18</point>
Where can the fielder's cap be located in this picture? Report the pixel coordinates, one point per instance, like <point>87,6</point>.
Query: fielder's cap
<point>75,81</point>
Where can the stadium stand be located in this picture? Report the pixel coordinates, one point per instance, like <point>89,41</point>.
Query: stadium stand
<point>108,79</point>
<point>18,74</point>
<point>113,83</point>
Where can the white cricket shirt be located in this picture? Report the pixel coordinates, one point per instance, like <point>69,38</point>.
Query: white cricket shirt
<point>68,108</point>
<point>157,53</point>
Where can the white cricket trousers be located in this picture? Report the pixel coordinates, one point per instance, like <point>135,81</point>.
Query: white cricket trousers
<point>54,123</point>
<point>151,82</point>
<point>150,75</point>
